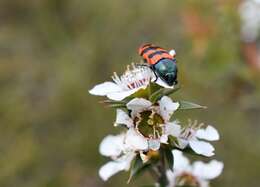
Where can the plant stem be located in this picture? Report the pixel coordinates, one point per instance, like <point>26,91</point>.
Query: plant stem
<point>162,180</point>
<point>154,173</point>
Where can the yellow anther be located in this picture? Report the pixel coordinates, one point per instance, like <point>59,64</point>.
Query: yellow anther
<point>150,122</point>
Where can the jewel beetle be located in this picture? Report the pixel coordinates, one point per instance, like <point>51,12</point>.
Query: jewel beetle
<point>161,62</point>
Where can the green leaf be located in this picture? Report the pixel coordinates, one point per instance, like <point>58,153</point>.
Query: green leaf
<point>142,93</point>
<point>189,151</point>
<point>137,168</point>
<point>172,140</point>
<point>169,158</point>
<point>117,105</point>
<point>168,91</point>
<point>112,102</point>
<point>154,87</point>
<point>185,105</point>
<point>156,95</point>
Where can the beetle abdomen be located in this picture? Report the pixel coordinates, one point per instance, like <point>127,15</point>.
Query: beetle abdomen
<point>153,54</point>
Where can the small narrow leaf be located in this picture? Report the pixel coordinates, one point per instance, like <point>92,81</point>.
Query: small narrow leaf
<point>168,91</point>
<point>169,158</point>
<point>156,95</point>
<point>112,102</point>
<point>172,141</point>
<point>162,92</point>
<point>154,87</point>
<point>142,93</point>
<point>184,105</point>
<point>117,106</point>
<point>189,151</point>
<point>137,167</point>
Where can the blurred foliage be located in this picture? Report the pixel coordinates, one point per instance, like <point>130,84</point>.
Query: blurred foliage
<point>53,51</point>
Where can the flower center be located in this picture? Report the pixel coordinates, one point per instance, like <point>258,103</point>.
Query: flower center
<point>186,179</point>
<point>149,124</point>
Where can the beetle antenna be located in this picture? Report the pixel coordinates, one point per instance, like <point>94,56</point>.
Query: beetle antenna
<point>142,64</point>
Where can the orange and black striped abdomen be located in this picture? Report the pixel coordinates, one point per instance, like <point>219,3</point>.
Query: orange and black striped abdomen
<point>153,54</point>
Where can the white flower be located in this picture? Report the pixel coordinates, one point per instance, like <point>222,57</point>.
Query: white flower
<point>250,18</point>
<point>198,174</point>
<point>191,135</point>
<point>130,82</point>
<point>135,141</point>
<point>148,125</point>
<point>115,148</point>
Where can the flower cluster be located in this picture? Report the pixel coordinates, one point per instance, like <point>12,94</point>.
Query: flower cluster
<point>151,137</point>
<point>197,174</point>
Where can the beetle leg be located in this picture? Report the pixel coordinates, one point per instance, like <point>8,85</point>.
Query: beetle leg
<point>142,65</point>
<point>156,76</point>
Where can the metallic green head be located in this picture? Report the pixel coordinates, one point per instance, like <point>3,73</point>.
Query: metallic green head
<point>166,69</point>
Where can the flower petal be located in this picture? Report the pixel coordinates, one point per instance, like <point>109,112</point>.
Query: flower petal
<point>164,139</point>
<point>154,144</point>
<point>161,83</point>
<point>202,148</point>
<point>138,105</point>
<point>105,88</point>
<point>173,128</point>
<point>204,183</point>
<point>182,143</point>
<point>113,167</point>
<point>171,177</point>
<point>181,163</point>
<point>109,169</point>
<point>210,133</point>
<point>135,141</point>
<point>167,107</point>
<point>209,170</point>
<point>123,118</point>
<point>111,145</point>
<point>122,94</point>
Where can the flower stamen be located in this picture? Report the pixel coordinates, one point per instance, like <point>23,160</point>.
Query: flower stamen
<point>133,78</point>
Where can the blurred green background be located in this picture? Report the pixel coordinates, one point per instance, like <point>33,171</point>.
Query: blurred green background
<point>53,51</point>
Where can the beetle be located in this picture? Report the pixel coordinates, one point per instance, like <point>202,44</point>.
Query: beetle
<point>161,63</point>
